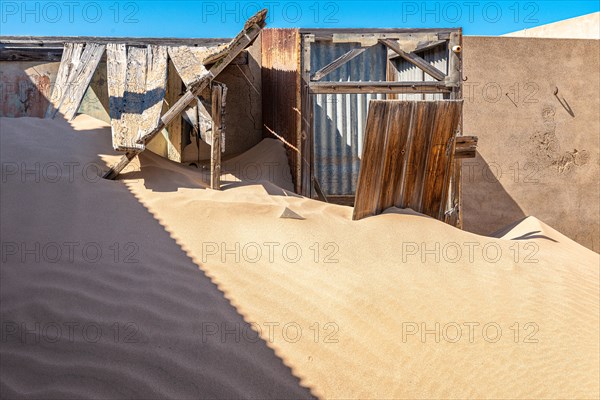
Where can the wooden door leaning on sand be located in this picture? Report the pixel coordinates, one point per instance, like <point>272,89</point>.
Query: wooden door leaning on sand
<point>407,156</point>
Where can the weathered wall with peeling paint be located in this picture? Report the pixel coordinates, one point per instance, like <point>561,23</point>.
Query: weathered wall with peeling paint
<point>538,153</point>
<point>26,86</point>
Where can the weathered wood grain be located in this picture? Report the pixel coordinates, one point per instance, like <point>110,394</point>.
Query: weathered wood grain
<point>466,146</point>
<point>337,63</point>
<point>80,76</point>
<point>378,87</point>
<point>414,59</point>
<point>69,60</point>
<point>189,62</point>
<point>137,83</point>
<point>250,32</point>
<point>219,94</point>
<point>407,156</point>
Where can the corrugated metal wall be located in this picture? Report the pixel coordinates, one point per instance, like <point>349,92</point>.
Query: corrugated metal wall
<point>339,119</point>
<point>438,57</point>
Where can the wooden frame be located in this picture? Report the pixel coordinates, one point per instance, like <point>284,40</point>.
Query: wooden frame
<point>403,43</point>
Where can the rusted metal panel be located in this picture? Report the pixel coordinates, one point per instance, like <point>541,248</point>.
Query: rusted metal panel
<point>408,157</point>
<point>339,119</point>
<point>281,91</point>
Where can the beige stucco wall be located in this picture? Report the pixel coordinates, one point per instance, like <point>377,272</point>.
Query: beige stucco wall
<point>583,27</point>
<point>538,154</point>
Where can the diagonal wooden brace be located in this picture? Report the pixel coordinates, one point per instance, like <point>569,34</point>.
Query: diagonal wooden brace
<point>251,30</point>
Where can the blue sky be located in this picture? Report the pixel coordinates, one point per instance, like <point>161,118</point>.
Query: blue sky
<point>224,18</point>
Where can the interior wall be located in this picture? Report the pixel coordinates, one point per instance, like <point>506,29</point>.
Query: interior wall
<point>534,105</point>
<point>25,88</point>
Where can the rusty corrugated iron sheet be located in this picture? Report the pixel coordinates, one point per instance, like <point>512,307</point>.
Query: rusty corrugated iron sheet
<point>281,90</point>
<point>407,159</point>
<point>340,119</point>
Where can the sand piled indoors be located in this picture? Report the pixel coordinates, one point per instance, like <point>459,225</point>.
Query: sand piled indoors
<point>154,286</point>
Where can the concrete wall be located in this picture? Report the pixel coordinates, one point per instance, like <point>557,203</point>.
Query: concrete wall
<point>26,86</point>
<point>583,27</point>
<point>538,152</point>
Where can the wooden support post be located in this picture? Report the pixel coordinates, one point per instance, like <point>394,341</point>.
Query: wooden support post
<point>305,166</point>
<point>219,93</point>
<point>175,127</point>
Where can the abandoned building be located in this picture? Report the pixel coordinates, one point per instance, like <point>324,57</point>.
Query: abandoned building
<point>312,89</point>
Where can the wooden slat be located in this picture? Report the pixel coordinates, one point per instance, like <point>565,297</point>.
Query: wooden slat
<point>137,79</point>
<point>466,147</point>
<point>31,54</point>
<point>78,81</point>
<point>415,60</point>
<point>189,62</point>
<point>70,58</point>
<point>251,30</point>
<point>337,63</point>
<point>407,156</point>
<point>51,54</point>
<point>219,93</point>
<point>378,87</point>
<point>174,129</point>
<point>60,40</point>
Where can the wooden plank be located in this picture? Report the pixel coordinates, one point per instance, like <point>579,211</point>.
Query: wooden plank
<point>137,78</point>
<point>78,81</point>
<point>415,60</point>
<point>440,159</point>
<point>189,62</point>
<point>466,146</point>
<point>423,46</point>
<point>378,87</point>
<point>251,30</point>
<point>454,78</point>
<point>30,54</point>
<point>371,168</point>
<point>407,156</point>
<point>305,166</point>
<point>320,193</point>
<point>218,107</point>
<point>337,63</point>
<point>175,127</point>
<point>70,58</point>
<point>60,40</point>
<point>51,54</point>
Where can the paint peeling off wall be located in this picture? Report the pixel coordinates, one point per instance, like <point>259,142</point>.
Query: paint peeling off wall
<point>25,88</point>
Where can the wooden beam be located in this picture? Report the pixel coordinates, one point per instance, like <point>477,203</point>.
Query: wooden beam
<point>78,81</point>
<point>219,93</point>
<point>415,60</point>
<point>465,147</point>
<point>377,87</point>
<point>54,54</point>
<point>60,40</point>
<point>337,63</point>
<point>423,47</point>
<point>70,57</point>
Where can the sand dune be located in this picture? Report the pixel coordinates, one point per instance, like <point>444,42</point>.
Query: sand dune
<point>206,294</point>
